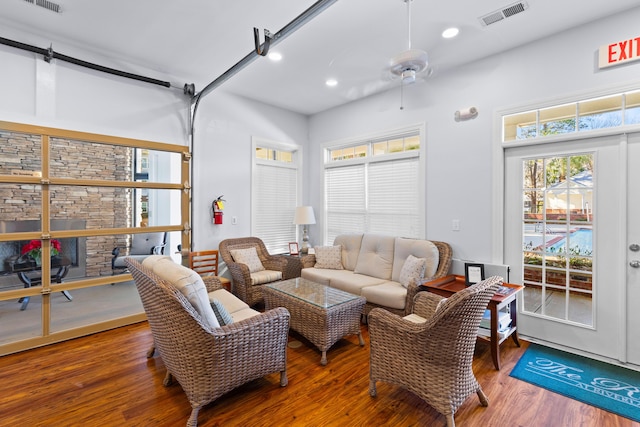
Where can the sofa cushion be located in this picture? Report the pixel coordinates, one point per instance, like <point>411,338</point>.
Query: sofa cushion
<point>354,283</point>
<point>419,249</point>
<point>376,256</point>
<point>221,313</point>
<point>388,294</point>
<point>188,282</point>
<point>413,269</point>
<point>350,249</point>
<point>329,257</point>
<point>249,257</point>
<point>324,276</point>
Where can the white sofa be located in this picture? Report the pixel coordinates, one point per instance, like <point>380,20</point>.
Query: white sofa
<point>371,265</point>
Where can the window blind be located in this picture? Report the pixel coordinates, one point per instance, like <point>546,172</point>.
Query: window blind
<point>393,200</point>
<point>374,197</point>
<point>345,200</point>
<point>275,190</point>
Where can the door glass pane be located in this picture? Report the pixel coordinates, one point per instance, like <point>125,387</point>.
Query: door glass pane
<point>90,160</point>
<point>557,244</point>
<point>93,305</point>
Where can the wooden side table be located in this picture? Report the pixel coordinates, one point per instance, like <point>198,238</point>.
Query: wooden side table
<point>449,285</point>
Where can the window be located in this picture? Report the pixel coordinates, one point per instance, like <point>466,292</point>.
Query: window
<point>274,194</point>
<point>590,114</point>
<point>557,244</point>
<point>375,186</point>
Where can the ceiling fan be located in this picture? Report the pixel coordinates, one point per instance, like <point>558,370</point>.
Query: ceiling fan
<point>411,63</point>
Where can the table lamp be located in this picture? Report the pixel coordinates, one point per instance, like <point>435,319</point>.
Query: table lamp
<point>304,216</point>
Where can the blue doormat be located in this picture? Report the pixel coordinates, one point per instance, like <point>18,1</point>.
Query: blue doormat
<point>609,387</point>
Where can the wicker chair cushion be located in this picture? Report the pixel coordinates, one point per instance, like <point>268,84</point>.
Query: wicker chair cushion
<point>413,269</point>
<point>188,282</point>
<point>414,318</point>
<point>376,256</point>
<point>249,257</point>
<point>231,302</point>
<point>265,276</point>
<point>223,316</point>
<point>419,249</point>
<point>238,309</point>
<point>329,257</point>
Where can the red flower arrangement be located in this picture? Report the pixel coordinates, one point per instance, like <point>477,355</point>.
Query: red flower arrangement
<point>34,248</point>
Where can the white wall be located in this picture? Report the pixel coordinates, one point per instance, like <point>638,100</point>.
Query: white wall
<point>459,182</point>
<point>222,162</point>
<point>63,95</point>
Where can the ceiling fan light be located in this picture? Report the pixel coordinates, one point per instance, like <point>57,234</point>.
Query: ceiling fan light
<point>408,76</point>
<point>412,59</point>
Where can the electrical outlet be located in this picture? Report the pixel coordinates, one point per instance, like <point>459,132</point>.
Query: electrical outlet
<point>455,225</point>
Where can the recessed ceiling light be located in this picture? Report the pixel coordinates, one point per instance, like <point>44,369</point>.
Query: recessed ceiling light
<point>331,82</point>
<point>275,56</point>
<point>450,32</point>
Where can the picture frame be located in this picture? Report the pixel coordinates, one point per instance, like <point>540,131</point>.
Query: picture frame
<point>293,248</point>
<point>473,273</point>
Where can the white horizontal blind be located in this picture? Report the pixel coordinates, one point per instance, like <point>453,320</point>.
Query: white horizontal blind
<point>275,200</point>
<point>375,193</point>
<point>393,203</point>
<point>346,200</point>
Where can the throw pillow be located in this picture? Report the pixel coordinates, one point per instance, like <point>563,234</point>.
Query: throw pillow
<point>413,269</point>
<point>249,257</point>
<point>223,316</point>
<point>329,257</point>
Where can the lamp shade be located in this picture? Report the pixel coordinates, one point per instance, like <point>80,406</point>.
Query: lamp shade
<point>304,215</point>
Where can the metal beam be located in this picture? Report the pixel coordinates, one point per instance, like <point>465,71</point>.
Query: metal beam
<point>286,31</point>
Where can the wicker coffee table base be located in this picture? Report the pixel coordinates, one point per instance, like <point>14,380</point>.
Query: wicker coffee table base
<point>323,327</point>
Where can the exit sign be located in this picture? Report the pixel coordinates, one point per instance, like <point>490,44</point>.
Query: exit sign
<point>619,52</point>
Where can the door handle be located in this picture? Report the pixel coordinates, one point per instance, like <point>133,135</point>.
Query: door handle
<point>634,263</point>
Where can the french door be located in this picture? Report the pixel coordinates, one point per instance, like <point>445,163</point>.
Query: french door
<point>567,238</point>
<point>632,250</point>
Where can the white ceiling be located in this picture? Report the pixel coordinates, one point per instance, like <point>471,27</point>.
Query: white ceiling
<point>195,41</point>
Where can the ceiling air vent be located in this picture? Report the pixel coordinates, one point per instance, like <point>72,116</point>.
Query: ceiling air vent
<point>505,12</point>
<point>49,5</point>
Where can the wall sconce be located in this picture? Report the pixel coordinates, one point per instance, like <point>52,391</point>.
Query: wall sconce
<point>466,114</point>
<point>304,216</point>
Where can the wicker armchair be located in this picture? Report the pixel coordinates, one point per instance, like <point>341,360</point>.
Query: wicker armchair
<point>209,362</point>
<point>432,359</point>
<point>245,287</point>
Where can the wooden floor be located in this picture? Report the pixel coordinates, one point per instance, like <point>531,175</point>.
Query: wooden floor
<point>106,380</point>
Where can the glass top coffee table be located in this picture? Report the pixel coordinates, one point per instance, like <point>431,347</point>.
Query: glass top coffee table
<point>321,314</point>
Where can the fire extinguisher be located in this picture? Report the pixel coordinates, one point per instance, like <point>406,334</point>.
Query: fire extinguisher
<point>218,206</point>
